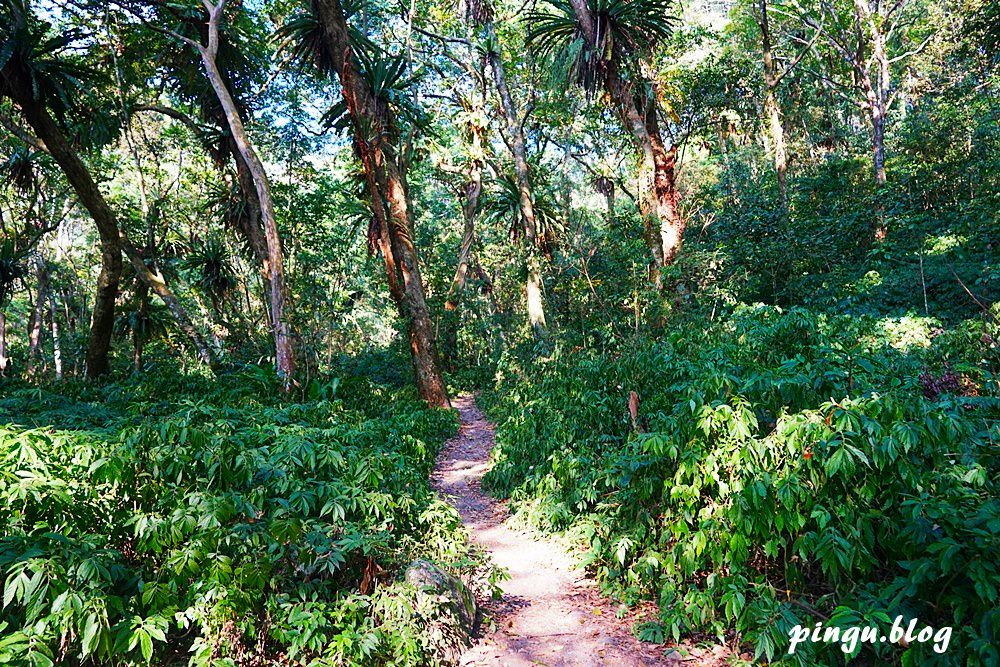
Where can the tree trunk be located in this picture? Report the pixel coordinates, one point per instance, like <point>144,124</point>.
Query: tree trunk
<point>156,283</point>
<point>274,267</point>
<point>878,145</point>
<point>875,88</point>
<point>113,241</point>
<point>533,284</point>
<point>664,192</point>
<point>663,225</point>
<point>470,207</point>
<point>38,316</point>
<point>473,189</point>
<point>56,344</point>
<point>4,359</point>
<point>771,108</point>
<point>103,317</point>
<point>389,199</point>
<point>138,341</point>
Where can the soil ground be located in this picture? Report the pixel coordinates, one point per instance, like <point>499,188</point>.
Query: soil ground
<point>551,613</point>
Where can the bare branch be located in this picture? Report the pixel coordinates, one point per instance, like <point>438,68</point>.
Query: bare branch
<point>805,49</point>
<point>22,134</point>
<point>913,52</point>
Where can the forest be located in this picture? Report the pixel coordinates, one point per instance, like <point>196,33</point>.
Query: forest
<point>486,333</point>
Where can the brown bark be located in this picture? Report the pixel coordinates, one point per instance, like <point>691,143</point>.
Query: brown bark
<point>473,189</point>
<point>155,282</point>
<point>372,125</point>
<point>657,175</point>
<point>113,241</point>
<point>274,267</point>
<point>470,207</point>
<point>877,91</point>
<point>250,223</point>
<point>103,317</point>
<point>533,284</point>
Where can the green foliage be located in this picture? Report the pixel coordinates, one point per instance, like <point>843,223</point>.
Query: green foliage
<point>787,468</point>
<point>181,527</point>
<point>626,30</point>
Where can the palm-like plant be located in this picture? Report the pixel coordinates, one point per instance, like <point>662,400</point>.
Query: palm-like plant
<point>212,267</point>
<point>388,76</point>
<point>302,36</point>
<point>19,170</point>
<point>625,31</point>
<point>29,51</point>
<point>502,206</point>
<point>390,81</point>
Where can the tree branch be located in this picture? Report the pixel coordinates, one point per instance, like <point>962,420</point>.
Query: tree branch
<point>22,134</point>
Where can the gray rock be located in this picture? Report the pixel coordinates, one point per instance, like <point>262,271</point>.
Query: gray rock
<point>460,605</point>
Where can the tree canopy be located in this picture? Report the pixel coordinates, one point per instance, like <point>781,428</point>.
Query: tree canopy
<point>724,272</point>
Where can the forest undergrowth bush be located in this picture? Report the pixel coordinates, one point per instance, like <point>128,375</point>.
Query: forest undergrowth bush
<point>786,468</point>
<point>180,520</point>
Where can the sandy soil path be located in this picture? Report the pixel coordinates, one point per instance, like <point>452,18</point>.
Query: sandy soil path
<point>551,613</point>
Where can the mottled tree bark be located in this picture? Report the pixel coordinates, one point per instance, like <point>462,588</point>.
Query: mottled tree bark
<point>113,241</point>
<point>771,108</point>
<point>533,268</point>
<point>473,189</point>
<point>274,267</point>
<point>37,316</point>
<point>56,342</point>
<point>45,128</point>
<point>373,127</point>
<point>657,173</point>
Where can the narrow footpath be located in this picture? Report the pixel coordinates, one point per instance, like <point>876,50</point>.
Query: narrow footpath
<point>551,613</point>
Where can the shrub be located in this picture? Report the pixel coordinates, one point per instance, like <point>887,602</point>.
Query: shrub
<point>171,525</point>
<point>787,469</point>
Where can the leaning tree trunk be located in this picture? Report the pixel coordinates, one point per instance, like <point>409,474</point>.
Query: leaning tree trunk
<point>390,201</point>
<point>533,284</point>
<point>156,283</point>
<point>664,227</point>
<point>274,267</point>
<point>45,128</point>
<point>473,189</point>
<point>113,241</point>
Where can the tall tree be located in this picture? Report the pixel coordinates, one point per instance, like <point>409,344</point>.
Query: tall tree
<point>375,133</point>
<point>773,75</point>
<point>274,264</point>
<point>869,36</point>
<point>28,76</point>
<point>616,36</point>
<point>515,131</point>
<point>31,79</point>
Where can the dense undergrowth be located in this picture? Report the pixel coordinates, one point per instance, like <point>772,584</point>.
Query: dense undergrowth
<point>787,468</point>
<point>178,519</point>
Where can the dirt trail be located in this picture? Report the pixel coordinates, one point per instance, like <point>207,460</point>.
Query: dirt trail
<point>551,613</point>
